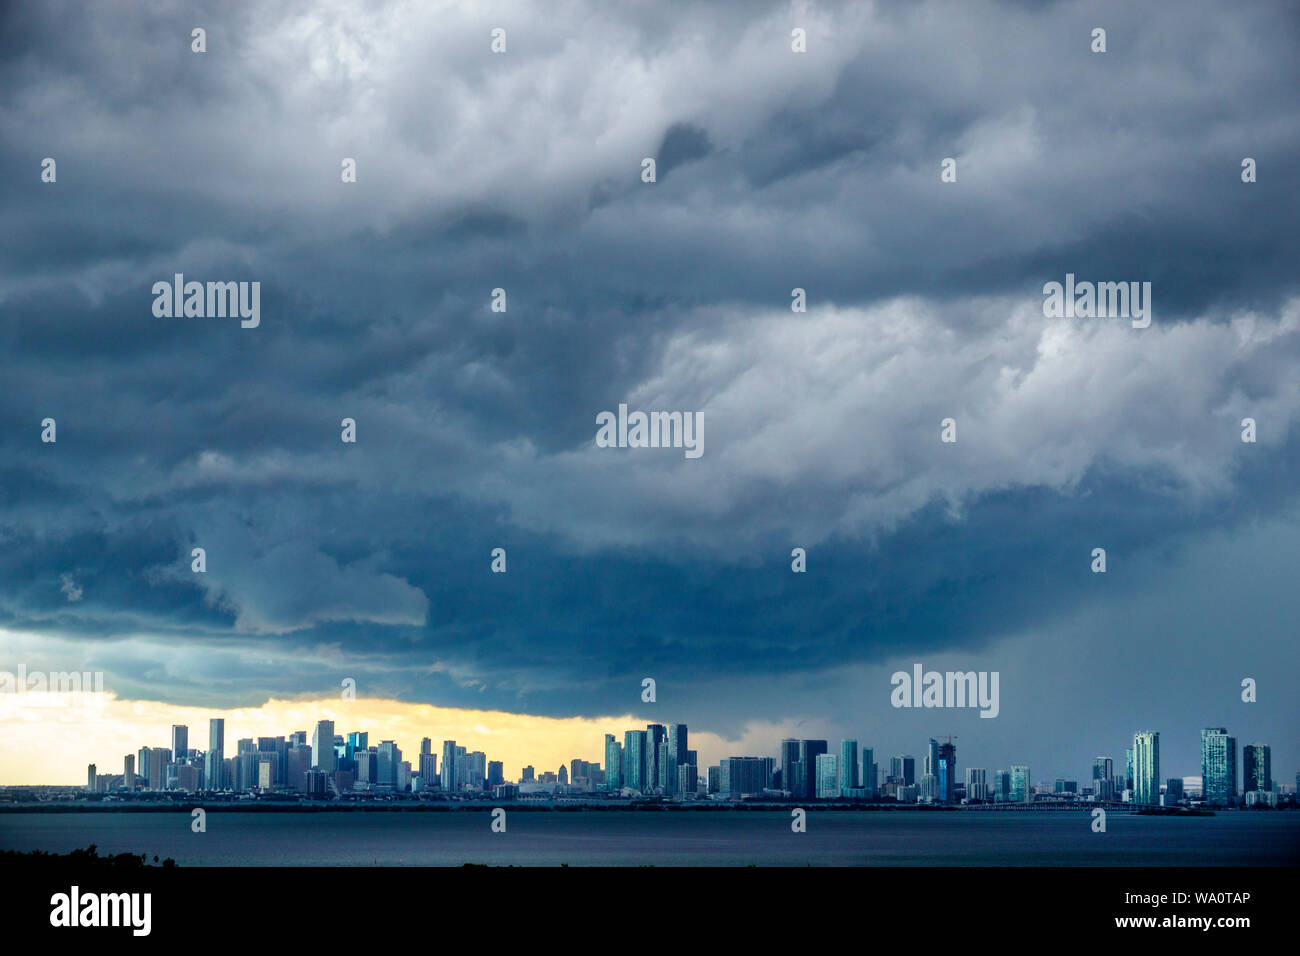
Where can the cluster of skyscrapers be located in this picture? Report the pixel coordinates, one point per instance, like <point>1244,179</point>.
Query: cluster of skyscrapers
<point>658,762</point>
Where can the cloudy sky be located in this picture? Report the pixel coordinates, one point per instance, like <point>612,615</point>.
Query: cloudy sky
<point>522,170</point>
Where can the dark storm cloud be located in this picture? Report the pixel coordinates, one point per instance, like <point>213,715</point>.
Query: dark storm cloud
<point>522,172</point>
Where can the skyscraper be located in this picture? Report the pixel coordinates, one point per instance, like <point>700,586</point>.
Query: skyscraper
<point>677,746</point>
<point>806,768</point>
<point>1218,766</point>
<point>449,782</point>
<point>128,771</point>
<point>1002,786</point>
<point>322,747</point>
<point>180,742</point>
<point>1101,770</point>
<point>667,772</point>
<point>614,764</point>
<point>1146,767</point>
<point>655,734</point>
<point>388,765</point>
<point>428,769</point>
<point>827,776</point>
<point>476,769</point>
<point>688,780</point>
<point>946,772</point>
<point>1256,768</point>
<point>1022,789</point>
<point>159,758</point>
<point>903,767</point>
<point>142,767</point>
<point>977,789</point>
<point>298,765</point>
<point>848,765</point>
<point>789,758</point>
<point>868,776</point>
<point>743,776</point>
<point>1128,773</point>
<point>214,761</point>
<point>634,760</point>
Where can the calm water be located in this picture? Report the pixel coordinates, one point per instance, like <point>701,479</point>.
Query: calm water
<point>711,838</point>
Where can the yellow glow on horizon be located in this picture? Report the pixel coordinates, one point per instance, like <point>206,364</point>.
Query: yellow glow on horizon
<point>50,738</point>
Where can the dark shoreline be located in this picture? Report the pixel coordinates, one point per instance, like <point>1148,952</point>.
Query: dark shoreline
<point>488,805</point>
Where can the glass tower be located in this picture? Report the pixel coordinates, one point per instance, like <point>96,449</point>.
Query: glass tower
<point>1218,766</point>
<point>1146,767</point>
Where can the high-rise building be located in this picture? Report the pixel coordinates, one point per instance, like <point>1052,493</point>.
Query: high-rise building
<point>428,769</point>
<point>359,741</point>
<point>214,761</point>
<point>655,734</point>
<point>869,775</point>
<point>426,745</point>
<point>903,767</point>
<point>1256,768</point>
<point>677,752</point>
<point>614,764</point>
<point>1128,773</point>
<point>634,760</point>
<point>128,771</point>
<point>946,773</point>
<point>1173,790</point>
<point>848,764</point>
<point>496,773</point>
<point>1002,786</point>
<point>1022,788</point>
<point>977,789</point>
<point>180,742</point>
<point>743,776</point>
<point>389,764</point>
<point>667,772</point>
<point>159,758</point>
<point>806,768</point>
<point>365,764</point>
<point>688,783</point>
<point>298,766</point>
<point>322,747</point>
<point>789,759</point>
<point>476,769</point>
<point>1218,766</point>
<point>1102,769</point>
<point>449,782</point>
<point>827,776</point>
<point>927,787</point>
<point>142,767</point>
<point>1146,767</point>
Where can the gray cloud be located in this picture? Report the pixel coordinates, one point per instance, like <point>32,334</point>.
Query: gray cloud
<point>522,171</point>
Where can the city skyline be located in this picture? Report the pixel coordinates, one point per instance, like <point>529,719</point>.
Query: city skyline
<point>833,770</point>
<point>847,244</point>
